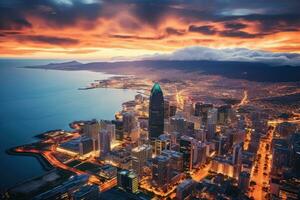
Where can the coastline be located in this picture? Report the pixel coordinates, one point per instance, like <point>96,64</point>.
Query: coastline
<point>46,165</point>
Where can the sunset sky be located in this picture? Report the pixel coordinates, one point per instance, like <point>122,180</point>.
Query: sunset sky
<point>110,29</point>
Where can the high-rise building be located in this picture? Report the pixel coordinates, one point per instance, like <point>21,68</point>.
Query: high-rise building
<point>204,111</point>
<point>128,181</point>
<point>237,154</point>
<point>186,147</point>
<point>85,145</point>
<point>119,129</point>
<point>91,129</point>
<point>198,109</point>
<point>104,142</point>
<point>166,109</point>
<point>129,122</point>
<point>176,160</point>
<point>178,124</point>
<point>173,109</point>
<point>110,127</point>
<point>156,112</point>
<point>140,156</point>
<point>184,190</point>
<point>161,170</point>
<point>243,182</point>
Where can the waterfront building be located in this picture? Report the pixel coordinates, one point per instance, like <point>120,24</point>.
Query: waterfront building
<point>119,134</point>
<point>129,122</point>
<point>127,181</point>
<point>91,129</point>
<point>156,112</point>
<point>65,190</point>
<point>86,145</point>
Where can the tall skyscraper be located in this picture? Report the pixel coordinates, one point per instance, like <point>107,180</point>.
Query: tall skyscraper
<point>156,112</point>
<point>104,142</point>
<point>186,146</point>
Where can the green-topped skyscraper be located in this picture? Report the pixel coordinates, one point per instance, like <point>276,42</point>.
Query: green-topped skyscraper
<point>156,112</point>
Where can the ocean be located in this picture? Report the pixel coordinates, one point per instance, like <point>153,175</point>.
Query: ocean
<point>33,101</point>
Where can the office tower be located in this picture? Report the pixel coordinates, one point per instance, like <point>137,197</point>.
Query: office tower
<point>161,170</point>
<point>204,111</point>
<point>161,143</point>
<point>237,154</point>
<point>200,135</point>
<point>110,127</point>
<point>212,116</point>
<point>140,156</point>
<point>104,142</point>
<point>198,109</point>
<point>224,113</point>
<point>127,181</point>
<point>295,151</point>
<point>243,182</point>
<point>211,132</point>
<point>188,109</point>
<point>185,190</point>
<point>197,122</point>
<point>166,109</point>
<point>186,147</point>
<point>119,129</point>
<point>87,192</point>
<point>176,160</point>
<point>91,129</point>
<point>85,145</point>
<point>156,112</point>
<point>178,124</point>
<point>173,109</point>
<point>199,157</point>
<point>129,122</point>
<point>280,156</point>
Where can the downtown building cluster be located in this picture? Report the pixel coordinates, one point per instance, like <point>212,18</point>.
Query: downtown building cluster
<point>193,150</point>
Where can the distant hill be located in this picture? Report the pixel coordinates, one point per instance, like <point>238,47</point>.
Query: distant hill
<point>231,69</point>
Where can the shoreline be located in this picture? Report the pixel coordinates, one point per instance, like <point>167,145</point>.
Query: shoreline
<point>43,162</point>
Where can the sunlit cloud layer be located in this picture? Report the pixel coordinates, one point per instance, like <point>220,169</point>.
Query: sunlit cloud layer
<point>108,29</point>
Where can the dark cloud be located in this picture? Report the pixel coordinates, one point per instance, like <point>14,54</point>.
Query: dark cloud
<point>137,37</point>
<point>271,16</point>
<point>173,31</point>
<point>239,34</point>
<point>47,40</point>
<point>207,30</point>
<point>235,25</point>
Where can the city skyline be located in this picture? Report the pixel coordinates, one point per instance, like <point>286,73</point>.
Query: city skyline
<point>150,99</point>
